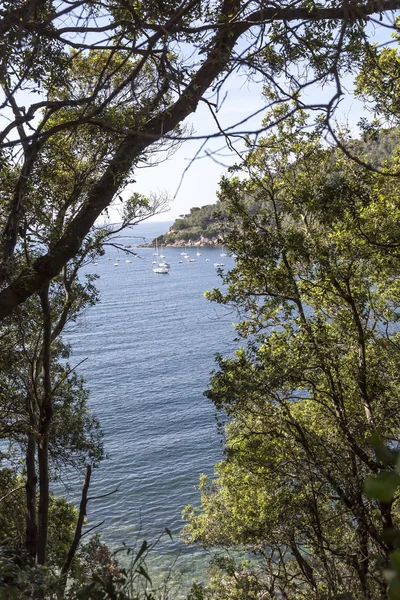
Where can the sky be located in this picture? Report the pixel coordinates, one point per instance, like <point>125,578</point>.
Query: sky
<point>190,177</point>
<point>191,182</point>
<point>192,174</point>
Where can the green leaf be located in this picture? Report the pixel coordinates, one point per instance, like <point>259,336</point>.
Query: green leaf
<point>391,535</point>
<point>394,590</point>
<point>395,560</point>
<point>142,550</point>
<point>143,572</point>
<point>383,486</point>
<point>387,456</point>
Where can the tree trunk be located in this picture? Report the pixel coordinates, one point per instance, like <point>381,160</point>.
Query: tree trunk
<point>31,480</point>
<point>78,531</point>
<point>45,414</point>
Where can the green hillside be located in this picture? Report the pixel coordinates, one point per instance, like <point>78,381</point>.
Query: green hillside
<point>200,226</point>
<point>204,225</point>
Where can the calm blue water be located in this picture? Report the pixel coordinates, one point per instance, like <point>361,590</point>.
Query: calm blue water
<point>150,346</point>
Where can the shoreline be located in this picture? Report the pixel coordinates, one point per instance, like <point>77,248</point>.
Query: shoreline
<point>182,244</point>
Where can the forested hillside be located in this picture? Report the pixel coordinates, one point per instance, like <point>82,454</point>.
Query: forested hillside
<point>202,226</point>
<point>209,224</point>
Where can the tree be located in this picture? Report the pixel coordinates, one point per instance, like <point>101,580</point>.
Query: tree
<point>44,412</point>
<point>43,409</point>
<point>316,282</point>
<point>133,71</point>
<point>44,404</point>
<point>12,519</point>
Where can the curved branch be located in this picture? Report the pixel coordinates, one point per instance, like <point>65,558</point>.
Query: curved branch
<point>102,193</point>
<point>135,143</point>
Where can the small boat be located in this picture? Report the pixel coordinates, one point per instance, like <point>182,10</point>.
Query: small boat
<point>191,259</point>
<point>163,263</point>
<point>198,253</point>
<point>207,260</point>
<point>180,261</point>
<point>161,269</point>
<point>116,264</point>
<point>95,262</point>
<point>219,265</point>
<point>128,261</point>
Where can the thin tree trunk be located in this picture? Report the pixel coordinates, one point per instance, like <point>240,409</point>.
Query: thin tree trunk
<point>31,481</point>
<point>45,414</point>
<point>78,530</point>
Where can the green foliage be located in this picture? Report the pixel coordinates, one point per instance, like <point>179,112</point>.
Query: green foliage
<point>75,437</point>
<point>208,222</point>
<point>378,81</point>
<point>12,520</point>
<point>384,488</point>
<point>53,426</point>
<point>316,281</point>
<point>205,222</point>
<point>98,574</point>
<point>326,375</point>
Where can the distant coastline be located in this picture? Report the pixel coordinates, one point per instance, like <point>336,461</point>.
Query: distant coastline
<point>199,228</point>
<point>181,243</point>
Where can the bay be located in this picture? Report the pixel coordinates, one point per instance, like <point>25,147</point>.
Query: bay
<point>148,348</point>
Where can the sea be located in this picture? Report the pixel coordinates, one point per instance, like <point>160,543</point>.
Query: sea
<point>148,348</point>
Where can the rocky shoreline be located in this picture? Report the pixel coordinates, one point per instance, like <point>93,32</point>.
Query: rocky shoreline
<point>203,242</point>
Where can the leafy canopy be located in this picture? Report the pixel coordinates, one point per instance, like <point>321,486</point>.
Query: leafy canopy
<point>316,285</point>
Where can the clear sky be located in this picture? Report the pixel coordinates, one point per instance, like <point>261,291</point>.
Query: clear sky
<point>195,182</point>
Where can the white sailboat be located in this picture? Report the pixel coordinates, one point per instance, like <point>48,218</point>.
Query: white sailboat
<point>163,263</point>
<point>161,269</point>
